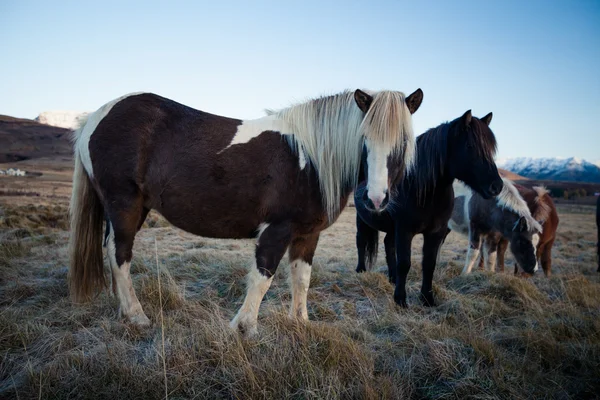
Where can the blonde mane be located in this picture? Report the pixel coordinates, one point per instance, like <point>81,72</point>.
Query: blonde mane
<point>543,208</point>
<point>510,198</point>
<point>331,131</point>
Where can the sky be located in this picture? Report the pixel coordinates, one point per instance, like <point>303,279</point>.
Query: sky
<point>534,64</point>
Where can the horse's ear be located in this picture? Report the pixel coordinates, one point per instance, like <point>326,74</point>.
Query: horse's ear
<point>487,119</point>
<point>413,102</point>
<point>521,225</point>
<point>363,100</point>
<point>465,120</point>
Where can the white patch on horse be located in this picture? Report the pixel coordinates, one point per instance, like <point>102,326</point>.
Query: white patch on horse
<point>472,258</point>
<point>461,190</point>
<point>377,181</point>
<point>535,239</point>
<point>86,129</point>
<point>256,286</point>
<point>261,229</point>
<point>299,280</point>
<point>129,305</point>
<point>252,128</point>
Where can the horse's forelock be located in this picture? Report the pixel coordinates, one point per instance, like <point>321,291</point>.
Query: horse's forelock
<point>484,140</point>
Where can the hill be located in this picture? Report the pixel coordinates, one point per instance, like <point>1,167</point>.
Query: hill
<point>25,139</point>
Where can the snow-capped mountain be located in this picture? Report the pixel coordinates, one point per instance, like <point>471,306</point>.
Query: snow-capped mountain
<point>61,119</point>
<point>558,169</point>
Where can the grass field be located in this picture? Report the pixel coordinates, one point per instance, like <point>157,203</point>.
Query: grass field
<point>491,335</point>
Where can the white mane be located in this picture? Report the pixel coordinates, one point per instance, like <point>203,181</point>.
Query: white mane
<point>330,132</point>
<point>510,198</point>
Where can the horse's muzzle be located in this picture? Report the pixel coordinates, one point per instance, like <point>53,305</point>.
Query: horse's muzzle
<point>375,206</point>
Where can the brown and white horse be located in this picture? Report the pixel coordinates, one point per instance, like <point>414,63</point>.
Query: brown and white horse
<point>543,210</point>
<point>282,179</point>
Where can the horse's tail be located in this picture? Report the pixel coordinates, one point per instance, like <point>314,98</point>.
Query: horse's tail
<point>371,237</point>
<point>86,273</point>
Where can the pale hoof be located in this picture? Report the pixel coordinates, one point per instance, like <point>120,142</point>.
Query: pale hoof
<point>140,320</point>
<point>298,315</point>
<point>245,326</point>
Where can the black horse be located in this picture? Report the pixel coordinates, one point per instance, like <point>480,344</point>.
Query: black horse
<point>462,149</point>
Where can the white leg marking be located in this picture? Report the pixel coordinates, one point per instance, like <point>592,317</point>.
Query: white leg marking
<point>472,258</point>
<point>300,281</point>
<point>377,180</point>
<point>535,239</point>
<point>82,142</point>
<point>129,305</point>
<point>247,317</point>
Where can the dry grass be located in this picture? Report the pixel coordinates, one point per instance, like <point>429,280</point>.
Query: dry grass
<point>491,336</point>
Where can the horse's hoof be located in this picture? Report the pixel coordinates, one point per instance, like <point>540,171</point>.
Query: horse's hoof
<point>360,269</point>
<point>140,320</point>
<point>247,329</point>
<point>427,300</point>
<point>401,302</point>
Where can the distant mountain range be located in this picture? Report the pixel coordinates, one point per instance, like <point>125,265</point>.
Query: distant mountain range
<point>558,169</point>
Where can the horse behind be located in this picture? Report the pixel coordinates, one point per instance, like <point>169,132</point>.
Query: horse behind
<point>543,210</point>
<point>461,149</point>
<point>506,215</point>
<point>281,179</point>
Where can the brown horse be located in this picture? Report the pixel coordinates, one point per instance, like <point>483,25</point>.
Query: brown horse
<point>542,210</point>
<point>282,179</point>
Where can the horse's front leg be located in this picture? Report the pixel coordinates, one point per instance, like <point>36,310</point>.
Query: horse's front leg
<point>390,255</point>
<point>302,250</point>
<point>431,248</point>
<point>271,245</point>
<point>473,252</point>
<point>403,242</point>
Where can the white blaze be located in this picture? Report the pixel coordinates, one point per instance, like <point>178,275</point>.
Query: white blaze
<point>377,180</point>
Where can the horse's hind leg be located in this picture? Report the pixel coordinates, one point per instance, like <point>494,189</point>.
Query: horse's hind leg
<point>124,223</point>
<point>270,247</point>
<point>490,252</point>
<point>302,250</point>
<point>145,212</point>
<point>545,256</point>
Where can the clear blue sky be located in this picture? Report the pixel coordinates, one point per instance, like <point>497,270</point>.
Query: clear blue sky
<point>535,64</point>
